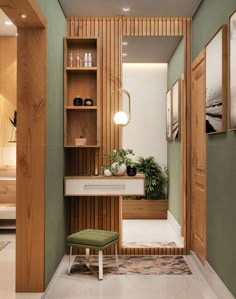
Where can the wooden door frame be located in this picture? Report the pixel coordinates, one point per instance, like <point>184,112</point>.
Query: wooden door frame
<point>31,142</point>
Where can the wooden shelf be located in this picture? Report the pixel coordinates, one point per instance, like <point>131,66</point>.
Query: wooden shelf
<point>81,69</point>
<point>82,146</point>
<point>81,107</point>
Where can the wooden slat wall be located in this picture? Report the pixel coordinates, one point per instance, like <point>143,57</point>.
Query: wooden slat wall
<point>106,212</point>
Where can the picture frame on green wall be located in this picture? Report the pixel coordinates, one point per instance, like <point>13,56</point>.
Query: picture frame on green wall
<point>232,70</point>
<point>176,110</point>
<point>169,115</point>
<point>216,82</point>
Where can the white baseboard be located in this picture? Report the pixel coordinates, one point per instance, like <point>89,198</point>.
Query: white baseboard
<point>174,223</point>
<point>54,276</point>
<point>217,285</point>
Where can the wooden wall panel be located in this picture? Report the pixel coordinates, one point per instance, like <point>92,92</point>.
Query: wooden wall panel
<point>31,138</point>
<point>106,212</point>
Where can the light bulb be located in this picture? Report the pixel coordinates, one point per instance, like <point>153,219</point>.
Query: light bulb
<point>121,118</point>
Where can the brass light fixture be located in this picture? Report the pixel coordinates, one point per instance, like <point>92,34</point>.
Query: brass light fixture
<point>121,118</point>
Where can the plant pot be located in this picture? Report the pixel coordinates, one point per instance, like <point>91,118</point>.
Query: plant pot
<point>131,170</point>
<point>117,169</point>
<point>144,209</point>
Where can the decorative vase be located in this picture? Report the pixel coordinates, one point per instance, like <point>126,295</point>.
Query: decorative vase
<point>78,101</point>
<point>117,169</point>
<point>131,170</point>
<point>107,172</point>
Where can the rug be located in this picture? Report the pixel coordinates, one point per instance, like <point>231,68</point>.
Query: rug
<point>3,244</point>
<point>148,244</point>
<point>144,265</point>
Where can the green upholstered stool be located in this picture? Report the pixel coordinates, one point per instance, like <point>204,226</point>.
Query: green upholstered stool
<point>93,239</point>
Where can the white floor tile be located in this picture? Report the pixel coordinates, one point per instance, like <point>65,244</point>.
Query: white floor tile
<point>112,287</point>
<point>150,231</point>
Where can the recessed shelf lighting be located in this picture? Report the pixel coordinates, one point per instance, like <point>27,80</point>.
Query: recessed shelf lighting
<point>8,23</point>
<point>124,54</point>
<point>23,16</point>
<point>126,9</point>
<point>124,43</point>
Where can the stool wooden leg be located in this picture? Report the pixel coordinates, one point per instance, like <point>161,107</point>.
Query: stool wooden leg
<point>116,252</point>
<point>87,251</point>
<point>100,265</point>
<point>70,260</point>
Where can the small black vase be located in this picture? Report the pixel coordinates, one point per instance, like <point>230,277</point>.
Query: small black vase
<point>78,101</point>
<point>131,170</point>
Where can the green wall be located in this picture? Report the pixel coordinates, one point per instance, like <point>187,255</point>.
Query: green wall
<point>54,200</point>
<point>221,161</point>
<point>176,65</point>
<point>174,172</point>
<point>175,70</point>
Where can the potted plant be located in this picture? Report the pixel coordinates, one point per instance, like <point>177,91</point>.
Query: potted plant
<point>119,158</point>
<point>154,204</point>
<point>14,123</point>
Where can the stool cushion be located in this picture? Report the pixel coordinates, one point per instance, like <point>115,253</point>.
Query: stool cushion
<point>93,238</point>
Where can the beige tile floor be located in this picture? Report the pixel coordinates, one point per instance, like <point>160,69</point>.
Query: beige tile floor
<point>112,287</point>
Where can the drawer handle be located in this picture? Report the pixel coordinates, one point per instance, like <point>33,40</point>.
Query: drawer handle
<point>119,187</point>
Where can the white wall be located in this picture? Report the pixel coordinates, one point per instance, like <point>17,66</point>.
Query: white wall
<point>146,132</point>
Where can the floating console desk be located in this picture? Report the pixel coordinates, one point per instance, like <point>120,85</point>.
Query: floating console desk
<point>104,186</point>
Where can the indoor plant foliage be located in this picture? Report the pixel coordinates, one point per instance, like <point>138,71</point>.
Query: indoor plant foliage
<point>120,158</point>
<point>14,119</point>
<point>155,177</point>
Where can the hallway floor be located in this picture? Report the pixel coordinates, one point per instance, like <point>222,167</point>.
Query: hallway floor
<point>150,231</point>
<point>112,287</point>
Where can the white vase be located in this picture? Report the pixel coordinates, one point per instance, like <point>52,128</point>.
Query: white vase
<point>118,169</point>
<point>107,172</point>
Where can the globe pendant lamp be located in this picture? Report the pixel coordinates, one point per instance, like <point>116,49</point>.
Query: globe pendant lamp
<point>121,118</point>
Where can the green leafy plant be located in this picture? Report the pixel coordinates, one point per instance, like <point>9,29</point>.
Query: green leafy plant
<point>118,157</point>
<point>14,119</point>
<point>155,177</point>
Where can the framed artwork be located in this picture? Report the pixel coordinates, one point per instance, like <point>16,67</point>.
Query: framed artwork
<point>216,82</point>
<point>169,115</point>
<point>176,110</point>
<point>232,70</point>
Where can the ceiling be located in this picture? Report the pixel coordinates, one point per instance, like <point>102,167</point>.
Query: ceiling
<point>138,8</point>
<point>159,49</point>
<point>6,29</point>
<point>149,49</point>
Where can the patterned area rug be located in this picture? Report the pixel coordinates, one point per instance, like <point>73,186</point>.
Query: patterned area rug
<point>144,265</point>
<point>148,244</point>
<point>3,244</point>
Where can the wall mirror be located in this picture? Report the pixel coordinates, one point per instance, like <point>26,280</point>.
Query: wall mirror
<point>151,67</point>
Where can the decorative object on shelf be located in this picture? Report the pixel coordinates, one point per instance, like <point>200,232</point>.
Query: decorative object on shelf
<point>85,59</point>
<point>78,59</point>
<point>215,83</point>
<point>80,141</point>
<point>232,67</point>
<point>70,59</point>
<point>14,123</point>
<point>121,118</point>
<point>78,101</point>
<point>120,159</point>
<point>131,170</point>
<point>88,102</point>
<point>118,169</point>
<point>107,172</point>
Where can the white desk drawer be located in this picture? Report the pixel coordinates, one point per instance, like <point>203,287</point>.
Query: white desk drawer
<point>102,186</point>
